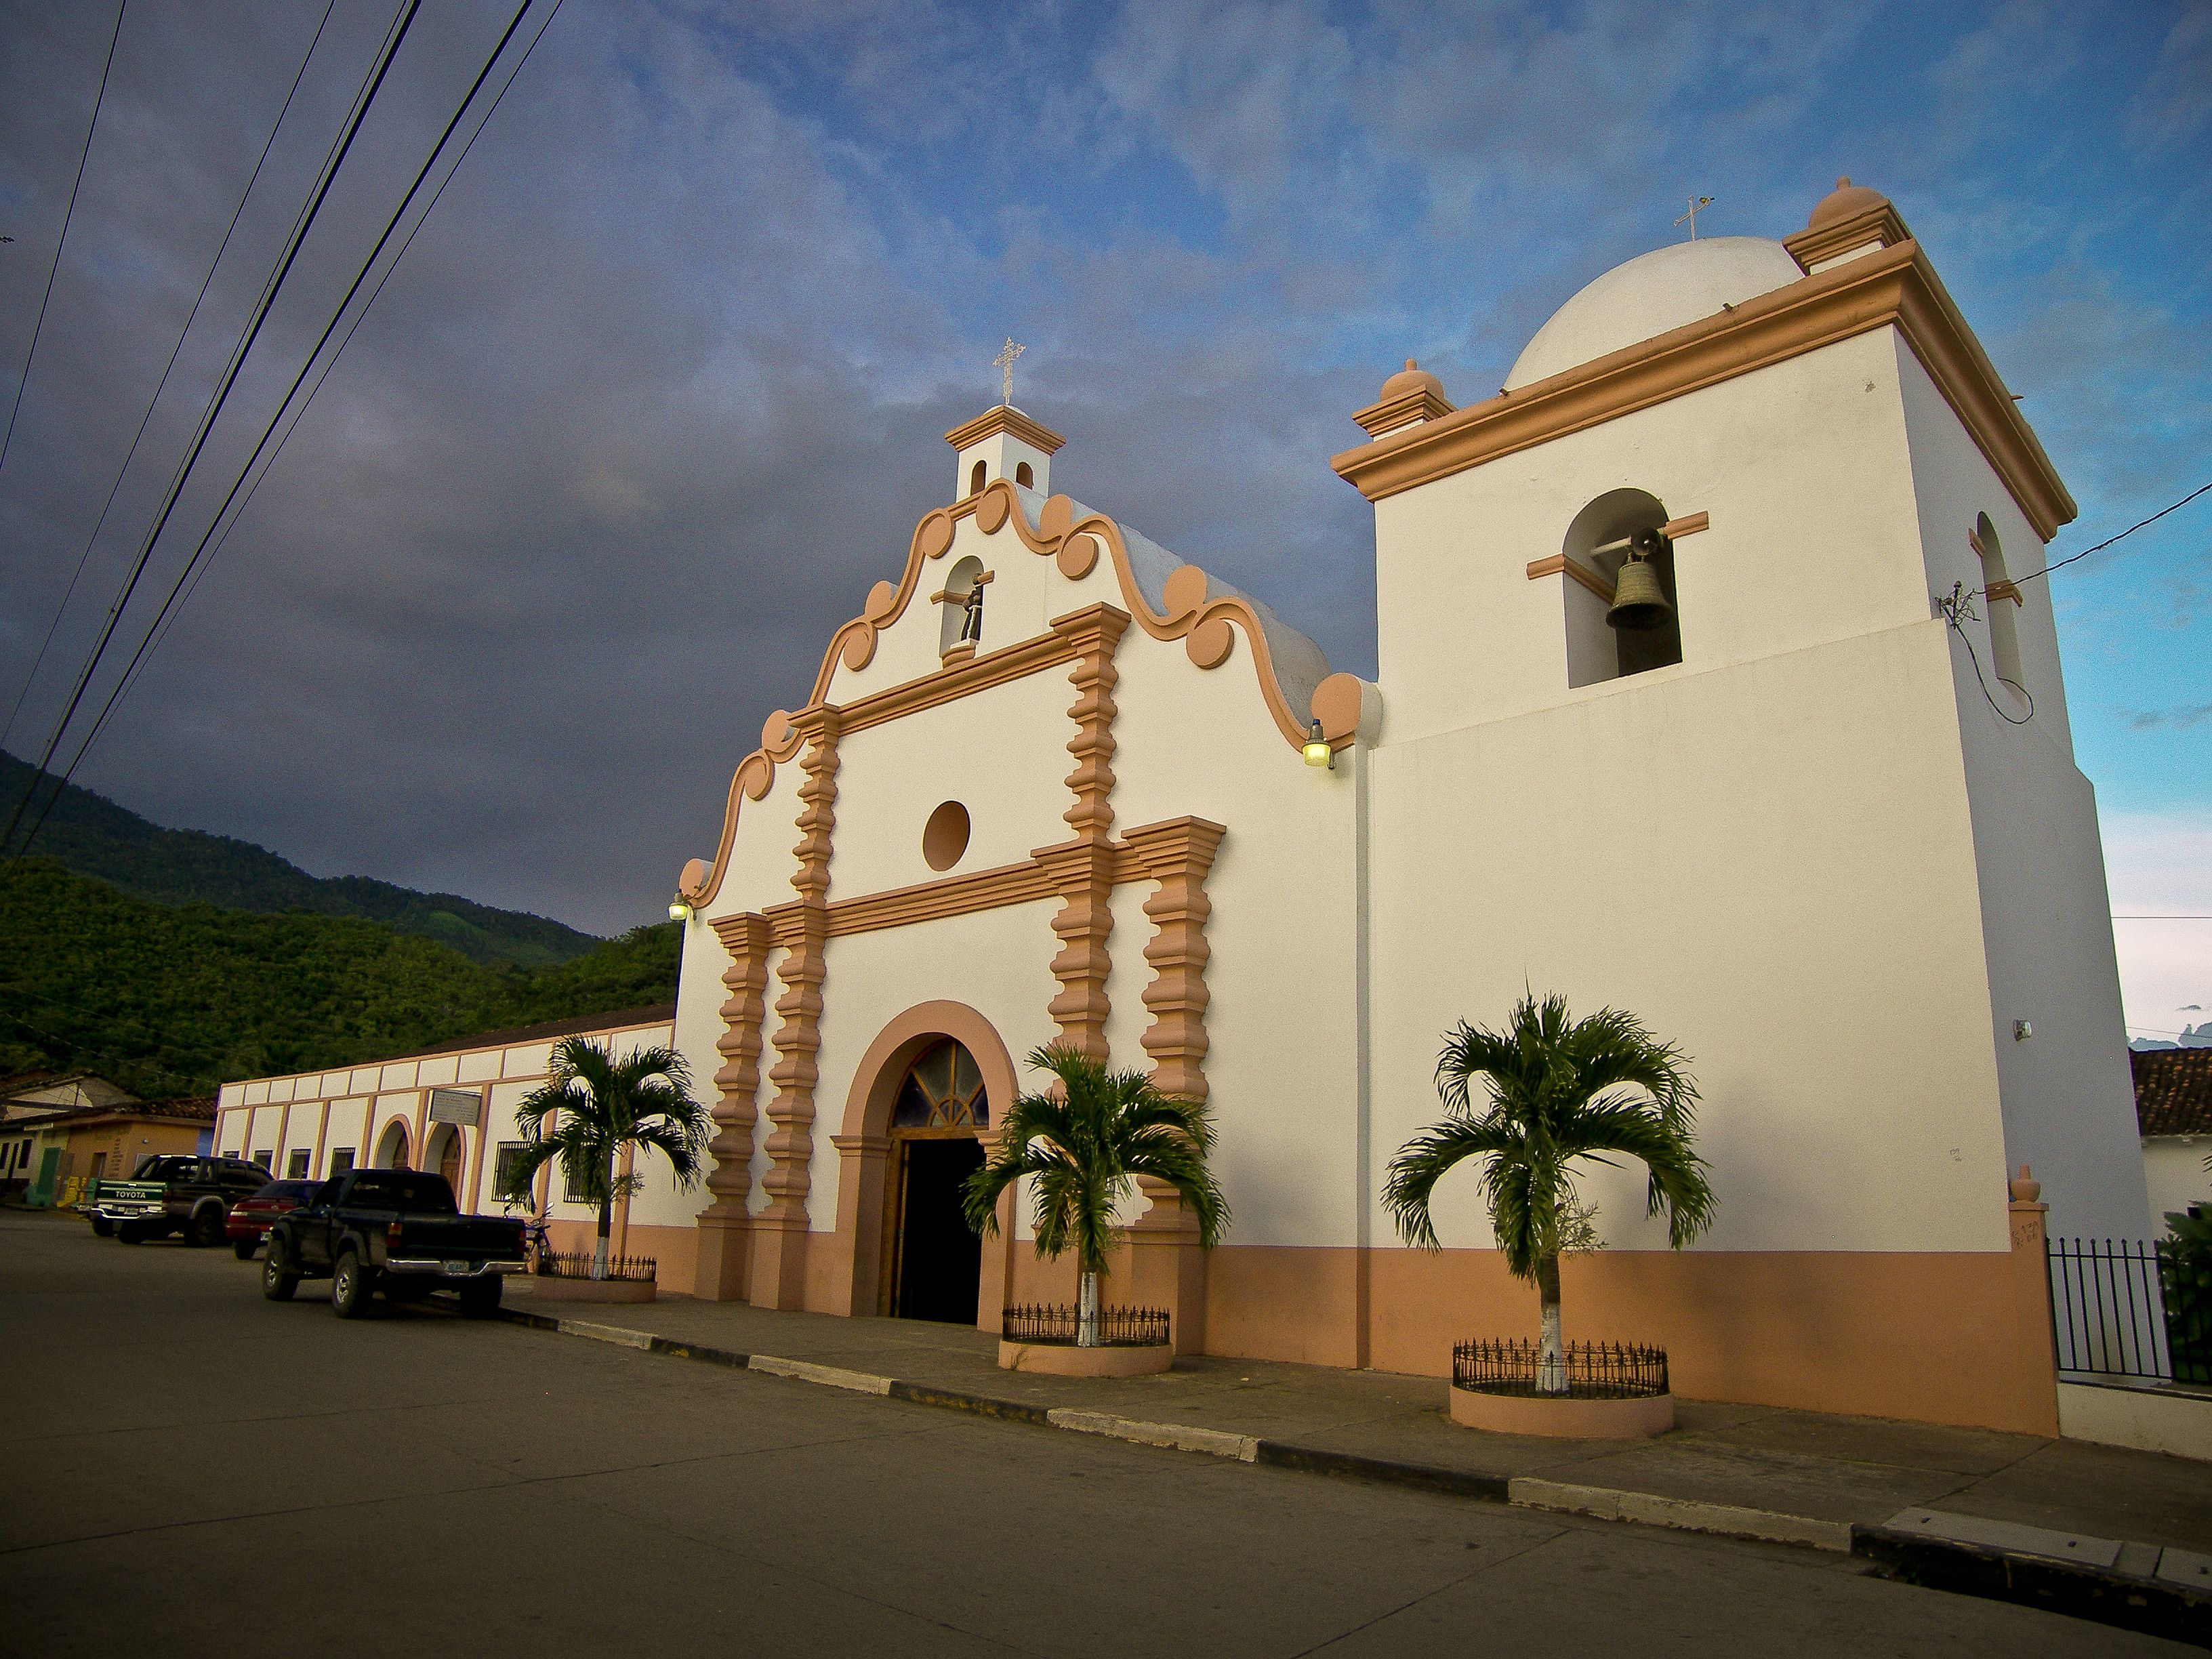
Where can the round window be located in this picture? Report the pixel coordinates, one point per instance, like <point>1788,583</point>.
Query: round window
<point>945,838</point>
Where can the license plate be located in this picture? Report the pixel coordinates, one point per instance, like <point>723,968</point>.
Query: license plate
<point>459,1267</point>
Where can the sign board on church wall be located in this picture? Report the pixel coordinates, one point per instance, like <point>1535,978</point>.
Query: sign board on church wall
<point>461,1106</point>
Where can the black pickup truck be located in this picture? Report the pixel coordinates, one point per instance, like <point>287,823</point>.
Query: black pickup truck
<point>172,1193</point>
<point>394,1230</point>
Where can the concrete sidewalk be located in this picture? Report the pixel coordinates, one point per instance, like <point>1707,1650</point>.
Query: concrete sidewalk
<point>2020,1510</point>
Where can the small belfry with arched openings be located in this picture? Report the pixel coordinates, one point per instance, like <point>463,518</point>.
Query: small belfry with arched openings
<point>1669,714</point>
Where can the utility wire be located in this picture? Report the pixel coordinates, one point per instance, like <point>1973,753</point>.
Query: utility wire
<point>68,214</point>
<point>167,620</point>
<point>2200,491</point>
<point>387,53</point>
<point>137,437</point>
<point>195,561</point>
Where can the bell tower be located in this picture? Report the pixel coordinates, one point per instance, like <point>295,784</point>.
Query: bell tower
<point>1003,443</point>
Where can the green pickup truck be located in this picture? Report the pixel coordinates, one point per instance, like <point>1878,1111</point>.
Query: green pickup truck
<point>172,1193</point>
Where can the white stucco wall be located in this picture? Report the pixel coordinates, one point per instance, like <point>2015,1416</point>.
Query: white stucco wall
<point>299,1112</point>
<point>1189,742</point>
<point>2069,1098</point>
<point>1767,851</point>
<point>2174,1176</point>
<point>1747,858</point>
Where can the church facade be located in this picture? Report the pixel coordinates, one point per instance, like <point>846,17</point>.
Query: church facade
<point>1816,820</point>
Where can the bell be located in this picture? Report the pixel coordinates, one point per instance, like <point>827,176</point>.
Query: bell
<point>1639,600</point>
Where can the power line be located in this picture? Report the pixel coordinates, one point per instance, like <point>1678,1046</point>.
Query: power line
<point>2184,915</point>
<point>196,563</point>
<point>68,214</point>
<point>167,618</point>
<point>386,53</point>
<point>2200,491</point>
<point>123,472</point>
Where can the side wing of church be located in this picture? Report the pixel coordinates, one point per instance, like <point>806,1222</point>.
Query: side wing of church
<point>1812,815</point>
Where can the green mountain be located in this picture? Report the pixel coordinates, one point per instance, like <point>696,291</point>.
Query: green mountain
<point>91,835</point>
<point>175,999</point>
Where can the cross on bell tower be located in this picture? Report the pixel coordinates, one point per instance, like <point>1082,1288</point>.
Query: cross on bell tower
<point>1003,362</point>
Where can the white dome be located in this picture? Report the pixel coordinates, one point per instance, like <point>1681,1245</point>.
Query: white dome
<point>1651,293</point>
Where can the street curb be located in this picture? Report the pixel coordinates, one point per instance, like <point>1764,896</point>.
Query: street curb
<point>2125,1600</point>
<point>1423,1477</point>
<point>1682,1514</point>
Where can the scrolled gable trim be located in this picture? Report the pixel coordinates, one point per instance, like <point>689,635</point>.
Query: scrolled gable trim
<point>1209,629</point>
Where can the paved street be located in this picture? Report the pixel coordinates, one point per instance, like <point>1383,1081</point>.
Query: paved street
<point>193,1470</point>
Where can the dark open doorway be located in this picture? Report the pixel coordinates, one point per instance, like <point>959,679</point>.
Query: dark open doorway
<point>938,1257</point>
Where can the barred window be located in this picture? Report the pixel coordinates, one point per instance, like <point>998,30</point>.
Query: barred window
<point>505,1162</point>
<point>580,1192</point>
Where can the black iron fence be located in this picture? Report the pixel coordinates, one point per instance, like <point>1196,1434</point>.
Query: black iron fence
<point>2132,1308</point>
<point>1118,1328</point>
<point>1595,1370</point>
<point>577,1264</point>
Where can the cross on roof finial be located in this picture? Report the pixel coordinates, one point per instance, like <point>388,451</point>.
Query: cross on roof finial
<point>1698,204</point>
<point>1003,362</point>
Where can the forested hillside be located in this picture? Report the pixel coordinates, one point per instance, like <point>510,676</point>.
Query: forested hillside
<point>91,835</point>
<point>176,999</point>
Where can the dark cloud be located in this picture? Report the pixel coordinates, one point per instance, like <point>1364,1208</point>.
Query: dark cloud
<point>2150,719</point>
<point>659,392</point>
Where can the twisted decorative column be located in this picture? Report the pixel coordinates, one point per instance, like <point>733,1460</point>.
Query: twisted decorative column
<point>1167,1267</point>
<point>1082,869</point>
<point>725,1226</point>
<point>779,1263</point>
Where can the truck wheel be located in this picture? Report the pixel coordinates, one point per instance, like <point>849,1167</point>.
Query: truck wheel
<point>277,1280</point>
<point>204,1227</point>
<point>350,1287</point>
<point>481,1299</point>
<point>130,1232</point>
<point>243,1248</point>
<point>102,1227</point>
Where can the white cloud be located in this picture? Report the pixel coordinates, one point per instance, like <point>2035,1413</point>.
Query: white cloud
<point>2161,863</point>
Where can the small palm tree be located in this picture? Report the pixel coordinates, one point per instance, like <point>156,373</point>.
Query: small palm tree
<point>1560,1090</point>
<point>605,1104</point>
<point>1082,1149</point>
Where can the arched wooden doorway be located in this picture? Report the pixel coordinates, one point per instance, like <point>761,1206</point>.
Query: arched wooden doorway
<point>392,1149</point>
<point>443,1153</point>
<point>931,1256</point>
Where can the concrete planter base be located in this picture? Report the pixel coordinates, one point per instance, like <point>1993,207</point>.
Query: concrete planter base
<point>549,1288</point>
<point>1063,1360</point>
<point>1565,1419</point>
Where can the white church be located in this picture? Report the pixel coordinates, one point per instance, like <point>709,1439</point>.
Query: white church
<point>1707,690</point>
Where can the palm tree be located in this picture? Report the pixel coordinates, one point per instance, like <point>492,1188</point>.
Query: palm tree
<point>1081,1148</point>
<point>604,1105</point>
<point>1560,1090</point>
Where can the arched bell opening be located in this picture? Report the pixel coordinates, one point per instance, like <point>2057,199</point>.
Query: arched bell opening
<point>393,1147</point>
<point>1615,537</point>
<point>2001,603</point>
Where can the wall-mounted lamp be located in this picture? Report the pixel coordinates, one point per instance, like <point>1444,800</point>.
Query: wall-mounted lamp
<point>679,911</point>
<point>1318,749</point>
<point>2022,1030</point>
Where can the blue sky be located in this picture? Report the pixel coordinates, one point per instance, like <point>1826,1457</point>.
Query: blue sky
<point>663,381</point>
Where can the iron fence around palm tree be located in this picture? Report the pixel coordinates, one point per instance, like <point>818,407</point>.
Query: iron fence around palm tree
<point>2136,1308</point>
<point>1595,1370</point>
<point>1118,1328</point>
<point>577,1264</point>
